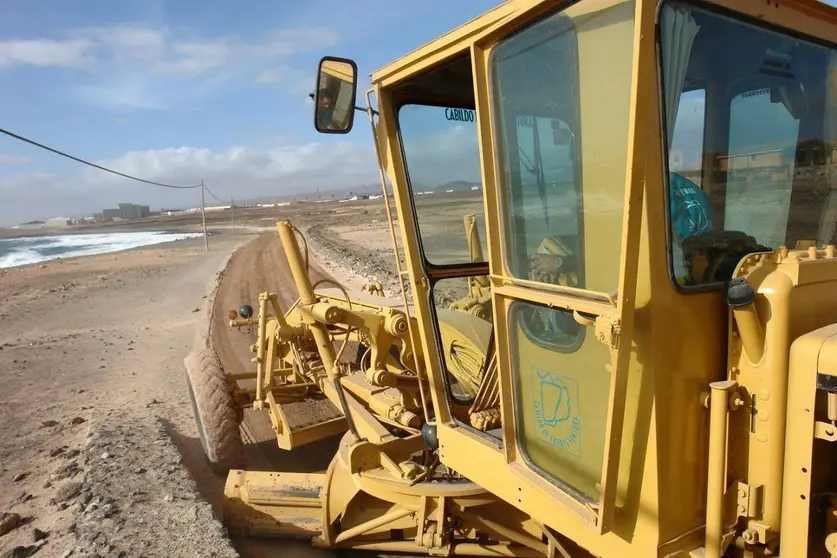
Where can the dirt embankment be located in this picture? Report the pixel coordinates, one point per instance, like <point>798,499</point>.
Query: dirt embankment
<point>354,262</point>
<point>360,252</point>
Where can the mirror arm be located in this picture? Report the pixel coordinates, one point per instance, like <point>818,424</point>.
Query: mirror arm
<point>361,109</point>
<point>366,109</point>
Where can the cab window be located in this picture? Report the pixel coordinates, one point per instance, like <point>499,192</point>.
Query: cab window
<point>767,126</point>
<point>443,166</point>
<point>563,137</point>
<point>545,193</point>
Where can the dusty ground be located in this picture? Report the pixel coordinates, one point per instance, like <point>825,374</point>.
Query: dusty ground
<point>98,453</point>
<point>94,410</point>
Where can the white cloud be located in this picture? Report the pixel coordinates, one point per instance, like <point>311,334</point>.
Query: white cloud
<point>71,53</point>
<point>34,195</point>
<point>435,156</point>
<point>241,172</point>
<point>271,75</point>
<point>290,79</point>
<point>125,42</point>
<point>136,66</point>
<point>124,90</point>
<point>168,53</point>
<point>12,159</point>
<point>196,58</point>
<point>295,167</point>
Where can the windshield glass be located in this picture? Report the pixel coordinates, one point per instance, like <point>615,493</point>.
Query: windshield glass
<point>443,165</point>
<point>750,141</point>
<point>561,92</point>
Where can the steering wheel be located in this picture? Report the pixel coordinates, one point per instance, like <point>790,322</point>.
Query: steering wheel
<point>712,257</point>
<point>567,273</point>
<point>551,321</point>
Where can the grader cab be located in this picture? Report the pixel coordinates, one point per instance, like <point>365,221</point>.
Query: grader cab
<point>639,359</point>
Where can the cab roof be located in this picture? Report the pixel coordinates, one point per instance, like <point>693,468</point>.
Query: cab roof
<point>448,43</point>
<point>456,40</point>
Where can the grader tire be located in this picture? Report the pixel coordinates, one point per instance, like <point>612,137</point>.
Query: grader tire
<point>214,410</point>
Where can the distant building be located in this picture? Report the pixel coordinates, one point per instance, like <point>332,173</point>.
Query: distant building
<point>30,225</point>
<point>86,220</point>
<point>753,160</point>
<point>57,222</point>
<point>125,211</point>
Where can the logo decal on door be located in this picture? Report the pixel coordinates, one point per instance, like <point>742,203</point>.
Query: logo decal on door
<point>556,411</point>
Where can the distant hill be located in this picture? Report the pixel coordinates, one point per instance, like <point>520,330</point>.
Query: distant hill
<point>336,193</point>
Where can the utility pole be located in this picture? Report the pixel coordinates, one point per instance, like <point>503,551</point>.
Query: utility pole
<point>203,217</point>
<point>232,209</point>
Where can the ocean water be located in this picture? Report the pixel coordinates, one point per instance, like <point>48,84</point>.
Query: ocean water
<point>35,249</point>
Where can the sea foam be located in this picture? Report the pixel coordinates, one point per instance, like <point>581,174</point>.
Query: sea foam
<point>35,249</point>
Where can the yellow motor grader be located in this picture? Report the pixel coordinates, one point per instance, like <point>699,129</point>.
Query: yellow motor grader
<point>644,359</point>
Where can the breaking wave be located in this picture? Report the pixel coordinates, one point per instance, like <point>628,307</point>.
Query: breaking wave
<point>35,249</point>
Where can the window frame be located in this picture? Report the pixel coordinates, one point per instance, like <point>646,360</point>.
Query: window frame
<point>609,307</point>
<point>737,17</point>
<point>511,197</point>
<point>440,272</point>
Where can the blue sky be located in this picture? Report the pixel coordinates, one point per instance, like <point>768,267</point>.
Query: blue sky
<point>178,90</point>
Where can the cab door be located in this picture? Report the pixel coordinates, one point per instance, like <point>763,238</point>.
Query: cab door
<point>556,110</point>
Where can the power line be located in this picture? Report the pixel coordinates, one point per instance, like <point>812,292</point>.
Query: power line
<point>213,195</point>
<point>94,165</point>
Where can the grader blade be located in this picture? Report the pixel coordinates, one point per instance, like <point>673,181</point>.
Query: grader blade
<point>266,504</point>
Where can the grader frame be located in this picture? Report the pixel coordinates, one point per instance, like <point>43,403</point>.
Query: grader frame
<point>676,395</point>
<point>289,368</point>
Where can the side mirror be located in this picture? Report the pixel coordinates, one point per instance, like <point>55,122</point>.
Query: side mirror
<point>334,98</point>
